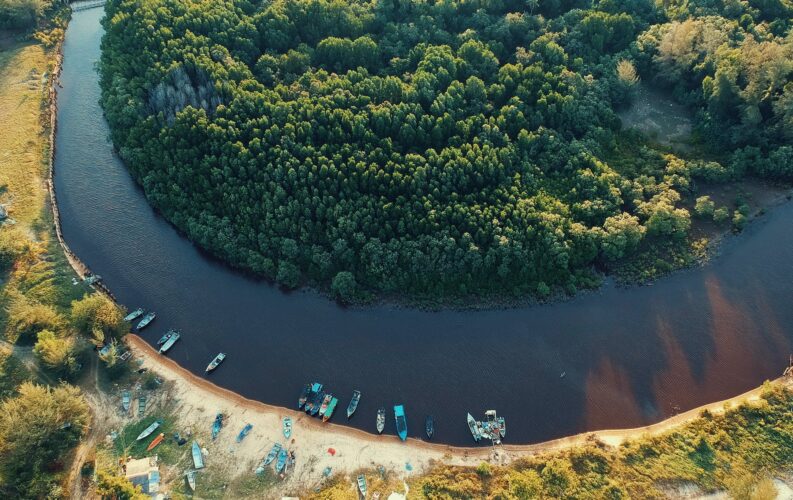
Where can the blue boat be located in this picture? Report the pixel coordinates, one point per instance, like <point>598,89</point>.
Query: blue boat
<point>198,458</point>
<point>313,396</point>
<point>269,458</point>
<point>301,401</point>
<point>217,425</point>
<point>401,422</point>
<point>282,455</point>
<point>244,432</point>
<point>316,404</point>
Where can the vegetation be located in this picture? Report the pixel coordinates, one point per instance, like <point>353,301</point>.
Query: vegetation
<point>432,148</point>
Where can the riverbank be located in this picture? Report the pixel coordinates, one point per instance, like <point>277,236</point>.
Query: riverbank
<point>198,400</point>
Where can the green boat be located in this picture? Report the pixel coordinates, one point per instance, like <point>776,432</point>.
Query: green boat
<point>141,405</point>
<point>126,397</point>
<point>330,410</point>
<point>134,314</point>
<point>170,342</point>
<point>198,458</point>
<point>145,321</point>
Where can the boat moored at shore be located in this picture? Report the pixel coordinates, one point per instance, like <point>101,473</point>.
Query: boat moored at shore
<point>146,321</point>
<point>134,314</point>
<point>215,362</point>
<point>401,422</point>
<point>356,398</point>
<point>380,420</point>
<point>170,342</point>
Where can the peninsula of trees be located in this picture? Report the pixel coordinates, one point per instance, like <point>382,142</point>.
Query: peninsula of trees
<point>440,148</point>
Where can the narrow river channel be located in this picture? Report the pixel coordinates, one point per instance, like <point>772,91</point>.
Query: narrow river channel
<point>630,356</point>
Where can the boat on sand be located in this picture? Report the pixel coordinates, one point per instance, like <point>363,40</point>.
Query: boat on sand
<point>198,458</point>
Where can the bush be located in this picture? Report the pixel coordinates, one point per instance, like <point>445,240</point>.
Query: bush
<point>344,287</point>
<point>705,207</point>
<point>99,317</point>
<point>56,353</point>
<point>27,318</point>
<point>720,215</point>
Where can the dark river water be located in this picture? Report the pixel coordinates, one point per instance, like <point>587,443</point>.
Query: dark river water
<point>630,355</point>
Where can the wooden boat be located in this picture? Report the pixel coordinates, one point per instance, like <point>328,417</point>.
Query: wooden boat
<point>474,428</point>
<point>215,362</point>
<point>133,315</point>
<point>279,465</point>
<point>145,321</point>
<point>401,422</point>
<point>429,426</point>
<point>287,426</point>
<point>217,425</point>
<point>170,342</point>
<point>165,337</point>
<point>316,403</point>
<point>362,484</point>
<point>301,401</point>
<point>325,402</point>
<point>330,410</point>
<point>356,398</point>
<point>155,442</point>
<point>191,475</point>
<point>141,405</point>
<point>269,458</point>
<point>148,430</point>
<point>380,420</point>
<point>502,427</point>
<point>198,458</point>
<point>244,432</point>
<point>126,397</point>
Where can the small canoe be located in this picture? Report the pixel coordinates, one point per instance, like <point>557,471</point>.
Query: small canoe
<point>362,484</point>
<point>148,430</point>
<point>191,475</point>
<point>325,402</point>
<point>429,426</point>
<point>287,425</point>
<point>401,422</point>
<point>279,465</point>
<point>217,425</point>
<point>141,405</point>
<point>380,420</point>
<point>155,442</point>
<point>133,315</point>
<point>165,337</point>
<point>301,401</point>
<point>145,321</point>
<point>330,410</point>
<point>126,397</point>
<point>474,428</point>
<point>215,362</point>
<point>244,432</point>
<point>198,458</point>
<point>170,342</point>
<point>356,398</point>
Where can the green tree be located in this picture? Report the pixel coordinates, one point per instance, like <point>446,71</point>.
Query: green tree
<point>344,287</point>
<point>56,353</point>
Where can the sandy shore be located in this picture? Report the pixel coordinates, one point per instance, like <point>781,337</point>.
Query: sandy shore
<point>199,400</point>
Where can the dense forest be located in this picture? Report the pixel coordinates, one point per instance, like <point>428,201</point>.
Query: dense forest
<point>439,148</point>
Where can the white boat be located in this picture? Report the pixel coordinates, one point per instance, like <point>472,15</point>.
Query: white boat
<point>215,362</point>
<point>191,475</point>
<point>133,315</point>
<point>148,430</point>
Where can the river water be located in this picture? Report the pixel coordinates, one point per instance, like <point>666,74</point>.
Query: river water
<point>630,355</point>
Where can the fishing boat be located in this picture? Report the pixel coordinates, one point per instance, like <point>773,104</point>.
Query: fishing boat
<point>316,404</point>
<point>145,321</point>
<point>279,465</point>
<point>502,427</point>
<point>474,428</point>
<point>141,405</point>
<point>148,430</point>
<point>170,342</point>
<point>215,362</point>
<point>313,395</point>
<point>356,397</point>
<point>244,432</point>
<point>217,425</point>
<point>401,422</point>
<point>165,337</point>
<point>133,315</point>
<point>429,426</point>
<point>198,458</point>
<point>191,475</point>
<point>271,456</point>
<point>362,484</point>
<point>301,401</point>
<point>126,397</point>
<point>380,420</point>
<point>325,402</point>
<point>330,410</point>
<point>155,442</point>
<point>287,427</point>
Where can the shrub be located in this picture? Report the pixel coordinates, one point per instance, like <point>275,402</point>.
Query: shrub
<point>705,207</point>
<point>344,287</point>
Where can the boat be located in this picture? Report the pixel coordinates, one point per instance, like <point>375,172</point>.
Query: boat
<point>141,405</point>
<point>325,402</point>
<point>145,321</point>
<point>215,362</point>
<point>191,475</point>
<point>474,428</point>
<point>313,395</point>
<point>356,397</point>
<point>330,410</point>
<point>287,427</point>
<point>198,458</point>
<point>133,315</point>
<point>401,422</point>
<point>217,425</point>
<point>502,427</point>
<point>148,430</point>
<point>165,337</point>
<point>429,426</point>
<point>315,405</point>
<point>271,456</point>
<point>244,432</point>
<point>380,420</point>
<point>170,342</point>
<point>155,442</point>
<point>126,397</point>
<point>301,401</point>
<point>362,484</point>
<point>279,465</point>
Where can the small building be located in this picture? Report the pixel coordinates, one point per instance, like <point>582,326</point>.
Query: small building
<point>145,473</point>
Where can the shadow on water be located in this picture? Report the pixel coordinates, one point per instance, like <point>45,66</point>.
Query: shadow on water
<point>631,356</point>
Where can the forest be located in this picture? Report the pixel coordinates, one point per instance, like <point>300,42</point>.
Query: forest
<point>441,148</point>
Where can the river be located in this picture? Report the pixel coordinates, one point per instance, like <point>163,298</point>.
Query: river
<point>630,355</point>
